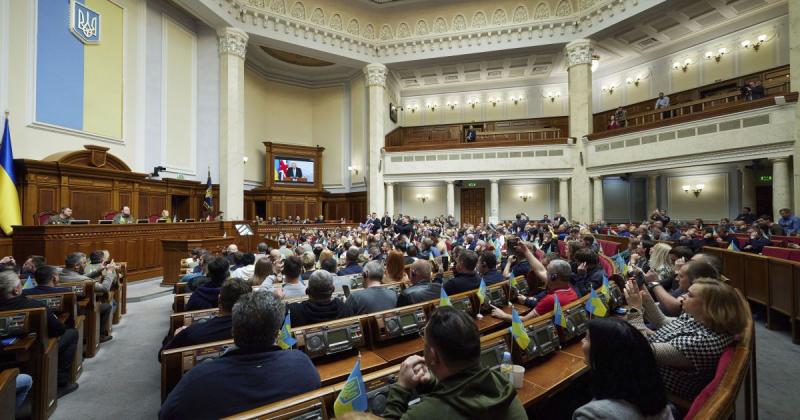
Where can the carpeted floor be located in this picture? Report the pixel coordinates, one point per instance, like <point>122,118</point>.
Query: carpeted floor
<point>123,380</point>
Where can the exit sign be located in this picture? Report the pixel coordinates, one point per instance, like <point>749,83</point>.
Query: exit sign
<point>766,177</point>
<point>475,184</point>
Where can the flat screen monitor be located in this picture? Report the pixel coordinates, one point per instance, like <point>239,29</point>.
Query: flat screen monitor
<point>105,222</point>
<point>79,222</point>
<point>161,221</point>
<point>243,229</point>
<point>142,221</point>
<point>291,170</point>
<point>189,220</point>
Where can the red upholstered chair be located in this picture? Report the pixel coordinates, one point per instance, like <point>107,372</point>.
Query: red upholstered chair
<point>740,242</point>
<point>772,251</point>
<point>153,218</point>
<point>562,248</point>
<point>609,248</point>
<point>109,215</point>
<point>794,254</point>
<point>708,391</point>
<point>41,218</point>
<point>608,266</point>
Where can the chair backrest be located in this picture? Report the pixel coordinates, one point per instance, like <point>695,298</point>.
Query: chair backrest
<point>701,399</point>
<point>609,248</point>
<point>772,251</point>
<point>794,254</point>
<point>562,248</point>
<point>109,215</point>
<point>41,218</point>
<point>608,266</point>
<point>740,242</point>
<point>153,218</point>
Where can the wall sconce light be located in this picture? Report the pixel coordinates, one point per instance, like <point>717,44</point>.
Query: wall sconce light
<point>517,99</point>
<point>353,170</point>
<point>452,105</point>
<point>432,106</point>
<point>609,89</point>
<point>717,57</point>
<point>244,160</point>
<point>696,189</point>
<point>595,62</point>
<point>685,66</point>
<point>423,197</point>
<point>525,196</point>
<point>494,101</point>
<point>553,95</point>
<point>760,40</point>
<point>413,108</point>
<point>473,101</point>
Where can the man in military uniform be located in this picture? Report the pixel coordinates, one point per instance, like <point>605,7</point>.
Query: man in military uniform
<point>124,217</point>
<point>165,216</point>
<point>64,217</point>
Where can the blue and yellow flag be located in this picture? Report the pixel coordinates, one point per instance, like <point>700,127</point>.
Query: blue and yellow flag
<point>208,201</point>
<point>353,397</point>
<point>620,263</point>
<point>444,300</point>
<point>558,317</point>
<point>285,339</point>
<point>518,331</point>
<point>10,213</point>
<point>28,284</point>
<point>512,282</point>
<point>482,292</point>
<point>733,246</point>
<point>605,288</point>
<point>595,306</point>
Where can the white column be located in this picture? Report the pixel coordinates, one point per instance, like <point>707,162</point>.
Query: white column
<point>598,198</point>
<point>451,198</point>
<point>652,193</point>
<point>494,201</point>
<point>748,188</point>
<point>375,76</point>
<point>389,199</point>
<point>579,61</point>
<point>794,62</point>
<point>232,49</point>
<point>781,195</point>
<point>563,197</point>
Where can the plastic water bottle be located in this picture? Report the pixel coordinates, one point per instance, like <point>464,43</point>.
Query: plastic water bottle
<point>506,367</point>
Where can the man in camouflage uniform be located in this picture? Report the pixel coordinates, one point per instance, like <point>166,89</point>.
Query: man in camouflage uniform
<point>124,217</point>
<point>64,217</point>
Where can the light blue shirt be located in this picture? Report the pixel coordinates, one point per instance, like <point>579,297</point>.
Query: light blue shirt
<point>662,102</point>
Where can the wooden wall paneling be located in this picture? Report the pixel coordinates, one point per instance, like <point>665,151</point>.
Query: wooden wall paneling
<point>89,205</point>
<point>781,285</point>
<point>757,279</point>
<point>796,313</point>
<point>6,247</point>
<point>733,267</point>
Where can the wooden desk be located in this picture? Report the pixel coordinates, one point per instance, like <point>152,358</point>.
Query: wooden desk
<point>174,250</point>
<point>137,244</point>
<point>553,373</point>
<point>397,352</point>
<point>337,370</point>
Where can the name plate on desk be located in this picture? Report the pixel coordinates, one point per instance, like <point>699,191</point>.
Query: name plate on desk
<point>544,340</point>
<point>54,303</point>
<point>400,323</point>
<point>191,358</point>
<point>12,325</point>
<point>330,339</point>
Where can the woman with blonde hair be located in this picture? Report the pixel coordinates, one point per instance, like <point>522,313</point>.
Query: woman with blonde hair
<point>687,348</point>
<point>324,255</point>
<point>661,262</point>
<point>395,268</point>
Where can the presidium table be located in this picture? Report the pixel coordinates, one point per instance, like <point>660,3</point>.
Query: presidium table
<point>144,246</point>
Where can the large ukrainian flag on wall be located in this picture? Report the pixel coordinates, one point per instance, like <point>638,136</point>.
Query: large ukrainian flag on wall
<point>79,85</point>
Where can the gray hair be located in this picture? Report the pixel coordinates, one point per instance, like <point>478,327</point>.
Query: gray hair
<point>320,284</point>
<point>74,259</point>
<point>374,270</point>
<point>8,282</point>
<point>560,268</point>
<point>257,317</point>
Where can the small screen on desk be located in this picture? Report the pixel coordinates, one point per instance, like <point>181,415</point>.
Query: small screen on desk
<point>460,304</point>
<point>542,336</point>
<point>489,357</point>
<point>337,336</point>
<point>407,320</point>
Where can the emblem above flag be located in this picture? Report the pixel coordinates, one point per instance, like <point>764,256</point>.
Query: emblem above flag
<point>84,23</point>
<point>10,213</point>
<point>353,397</point>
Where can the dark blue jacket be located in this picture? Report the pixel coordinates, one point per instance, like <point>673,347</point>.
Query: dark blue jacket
<point>351,268</point>
<point>492,277</point>
<point>238,381</point>
<point>462,282</point>
<point>44,290</point>
<point>203,298</point>
<point>217,328</point>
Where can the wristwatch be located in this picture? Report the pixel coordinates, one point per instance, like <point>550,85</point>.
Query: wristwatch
<point>653,284</point>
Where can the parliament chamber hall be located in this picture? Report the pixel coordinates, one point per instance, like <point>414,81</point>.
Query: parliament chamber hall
<point>400,209</point>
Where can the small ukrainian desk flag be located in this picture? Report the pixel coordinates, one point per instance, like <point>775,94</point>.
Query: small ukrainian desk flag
<point>481,292</point>
<point>285,339</point>
<point>594,305</point>
<point>518,330</point>
<point>444,300</point>
<point>731,247</point>
<point>10,214</point>
<point>558,317</point>
<point>353,397</point>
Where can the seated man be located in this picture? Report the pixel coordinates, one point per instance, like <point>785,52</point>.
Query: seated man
<point>247,268</point>
<point>124,217</point>
<point>217,328</point>
<point>31,264</point>
<point>589,271</point>
<point>556,278</point>
<point>206,295</point>
<point>319,307</point>
<point>487,267</point>
<point>46,278</point>
<point>671,302</point>
<point>11,298</point>
<point>253,373</point>
<point>351,263</point>
<point>449,378</point>
<point>64,217</point>
<point>373,298</point>
<point>464,278</point>
<point>292,287</point>
<point>421,289</point>
<point>73,271</point>
<point>165,216</point>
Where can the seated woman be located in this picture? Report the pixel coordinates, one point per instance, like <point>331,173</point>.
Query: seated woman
<point>395,268</point>
<point>612,123</point>
<point>687,348</point>
<point>623,387</point>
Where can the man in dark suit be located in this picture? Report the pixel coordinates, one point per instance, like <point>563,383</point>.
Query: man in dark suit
<point>464,278</point>
<point>421,289</point>
<point>386,221</point>
<point>294,171</point>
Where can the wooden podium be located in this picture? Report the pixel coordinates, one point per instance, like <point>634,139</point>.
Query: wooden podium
<point>174,250</point>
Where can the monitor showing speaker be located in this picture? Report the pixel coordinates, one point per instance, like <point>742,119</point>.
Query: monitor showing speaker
<point>400,323</point>
<point>576,323</point>
<point>330,339</point>
<point>12,325</point>
<point>464,304</point>
<point>544,340</point>
<point>496,297</point>
<point>357,282</point>
<point>522,286</point>
<point>492,352</point>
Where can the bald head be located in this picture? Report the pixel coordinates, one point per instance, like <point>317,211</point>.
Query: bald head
<point>420,271</point>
